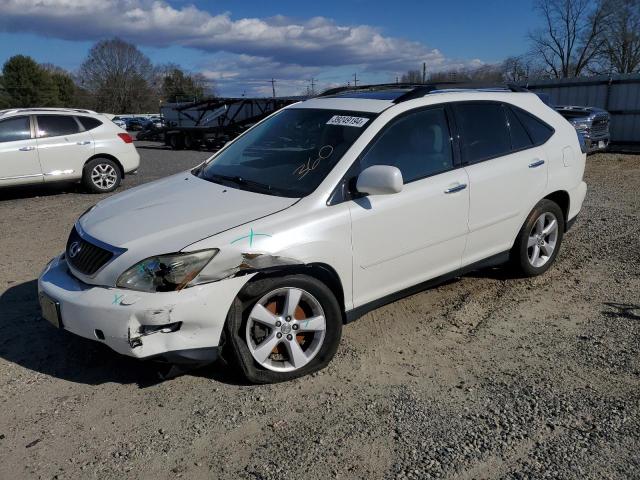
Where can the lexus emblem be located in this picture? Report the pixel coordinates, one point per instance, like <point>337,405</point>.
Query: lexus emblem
<point>74,249</point>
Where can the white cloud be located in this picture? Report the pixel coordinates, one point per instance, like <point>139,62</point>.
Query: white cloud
<point>277,45</point>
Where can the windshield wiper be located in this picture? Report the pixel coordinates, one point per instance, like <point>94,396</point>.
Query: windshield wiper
<point>238,180</point>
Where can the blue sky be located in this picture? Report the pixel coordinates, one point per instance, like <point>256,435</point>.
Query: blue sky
<point>239,45</point>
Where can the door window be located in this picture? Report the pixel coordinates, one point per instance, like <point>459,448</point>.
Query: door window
<point>418,144</point>
<point>14,129</point>
<point>484,128</point>
<point>56,125</point>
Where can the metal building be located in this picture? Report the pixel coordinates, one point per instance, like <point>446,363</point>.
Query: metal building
<point>618,94</point>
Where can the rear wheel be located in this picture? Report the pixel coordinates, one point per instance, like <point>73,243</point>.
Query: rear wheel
<point>101,175</point>
<point>190,143</point>
<point>283,328</point>
<point>176,141</point>
<point>539,240</point>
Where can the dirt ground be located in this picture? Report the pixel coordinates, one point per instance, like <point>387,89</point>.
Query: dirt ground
<point>488,376</point>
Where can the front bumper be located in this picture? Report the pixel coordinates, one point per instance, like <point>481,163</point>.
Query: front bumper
<point>129,321</point>
<point>596,143</point>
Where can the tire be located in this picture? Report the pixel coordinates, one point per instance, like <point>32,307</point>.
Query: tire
<point>101,175</point>
<point>190,143</point>
<point>538,241</point>
<point>242,330</point>
<point>176,141</point>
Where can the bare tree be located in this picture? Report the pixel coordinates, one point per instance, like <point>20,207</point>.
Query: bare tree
<point>120,77</point>
<point>412,76</point>
<point>621,36</point>
<point>571,38</point>
<point>516,69</point>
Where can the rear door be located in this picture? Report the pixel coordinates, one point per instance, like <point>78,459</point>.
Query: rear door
<point>63,146</point>
<point>18,155</point>
<point>507,175</point>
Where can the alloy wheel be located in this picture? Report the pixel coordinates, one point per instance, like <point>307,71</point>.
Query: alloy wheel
<point>542,239</point>
<point>285,329</point>
<point>104,176</point>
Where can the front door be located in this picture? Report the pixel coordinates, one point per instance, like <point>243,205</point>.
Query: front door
<point>18,155</point>
<point>403,239</point>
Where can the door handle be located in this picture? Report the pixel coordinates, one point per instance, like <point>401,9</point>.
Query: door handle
<point>86,142</point>
<point>537,163</point>
<point>26,149</point>
<point>455,189</point>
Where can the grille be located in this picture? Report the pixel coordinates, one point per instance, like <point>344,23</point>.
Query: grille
<point>85,257</point>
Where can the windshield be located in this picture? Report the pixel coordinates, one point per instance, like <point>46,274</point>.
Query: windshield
<point>289,154</point>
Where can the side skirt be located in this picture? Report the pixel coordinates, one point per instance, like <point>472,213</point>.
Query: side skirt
<point>492,261</point>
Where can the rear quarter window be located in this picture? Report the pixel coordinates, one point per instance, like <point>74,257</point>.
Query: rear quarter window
<point>89,123</point>
<point>538,130</point>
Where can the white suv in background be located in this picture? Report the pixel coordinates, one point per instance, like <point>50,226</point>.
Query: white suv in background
<point>47,145</point>
<point>323,211</point>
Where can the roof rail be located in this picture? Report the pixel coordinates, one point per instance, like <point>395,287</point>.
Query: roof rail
<point>48,109</point>
<point>420,90</point>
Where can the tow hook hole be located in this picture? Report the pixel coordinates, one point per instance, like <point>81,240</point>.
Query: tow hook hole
<point>99,335</point>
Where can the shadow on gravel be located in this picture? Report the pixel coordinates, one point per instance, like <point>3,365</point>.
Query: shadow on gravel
<point>29,191</point>
<point>28,340</point>
<point>151,146</point>
<point>501,272</point>
<point>622,310</point>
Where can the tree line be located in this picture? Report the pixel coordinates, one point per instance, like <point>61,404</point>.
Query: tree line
<point>577,38</point>
<point>116,77</point>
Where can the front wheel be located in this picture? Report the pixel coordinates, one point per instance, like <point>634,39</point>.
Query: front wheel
<point>282,328</point>
<point>539,240</point>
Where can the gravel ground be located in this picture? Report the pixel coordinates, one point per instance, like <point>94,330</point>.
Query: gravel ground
<point>488,376</point>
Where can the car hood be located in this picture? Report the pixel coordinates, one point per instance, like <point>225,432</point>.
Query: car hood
<point>167,215</point>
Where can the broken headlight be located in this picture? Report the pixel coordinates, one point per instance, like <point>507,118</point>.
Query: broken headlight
<point>166,273</point>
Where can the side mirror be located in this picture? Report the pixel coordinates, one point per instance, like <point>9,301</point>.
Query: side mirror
<point>380,180</point>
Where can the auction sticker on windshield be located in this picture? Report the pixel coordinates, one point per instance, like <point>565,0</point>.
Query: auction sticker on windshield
<point>347,121</point>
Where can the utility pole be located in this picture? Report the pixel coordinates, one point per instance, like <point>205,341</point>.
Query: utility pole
<point>355,79</point>
<point>424,72</point>
<point>273,87</point>
<point>313,86</point>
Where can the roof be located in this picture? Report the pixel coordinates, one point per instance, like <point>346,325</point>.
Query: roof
<point>376,98</point>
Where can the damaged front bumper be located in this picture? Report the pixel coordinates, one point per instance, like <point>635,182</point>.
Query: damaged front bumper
<point>174,325</point>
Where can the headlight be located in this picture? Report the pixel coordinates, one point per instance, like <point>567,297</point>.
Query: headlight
<point>166,273</point>
<point>581,126</point>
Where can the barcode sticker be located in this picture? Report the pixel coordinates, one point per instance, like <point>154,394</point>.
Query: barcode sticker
<point>346,121</point>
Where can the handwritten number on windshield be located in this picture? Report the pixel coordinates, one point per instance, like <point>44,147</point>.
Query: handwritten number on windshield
<point>324,153</point>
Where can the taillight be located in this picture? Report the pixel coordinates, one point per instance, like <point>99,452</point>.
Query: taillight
<point>126,138</point>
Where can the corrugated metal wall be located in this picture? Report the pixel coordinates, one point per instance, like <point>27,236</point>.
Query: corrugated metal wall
<point>619,95</point>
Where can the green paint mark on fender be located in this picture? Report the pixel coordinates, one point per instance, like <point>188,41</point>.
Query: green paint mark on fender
<point>251,236</point>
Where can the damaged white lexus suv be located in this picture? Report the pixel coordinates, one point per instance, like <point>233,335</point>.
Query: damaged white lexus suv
<point>323,211</point>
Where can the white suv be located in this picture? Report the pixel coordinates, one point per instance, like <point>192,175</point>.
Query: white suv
<point>323,211</point>
<point>49,145</point>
